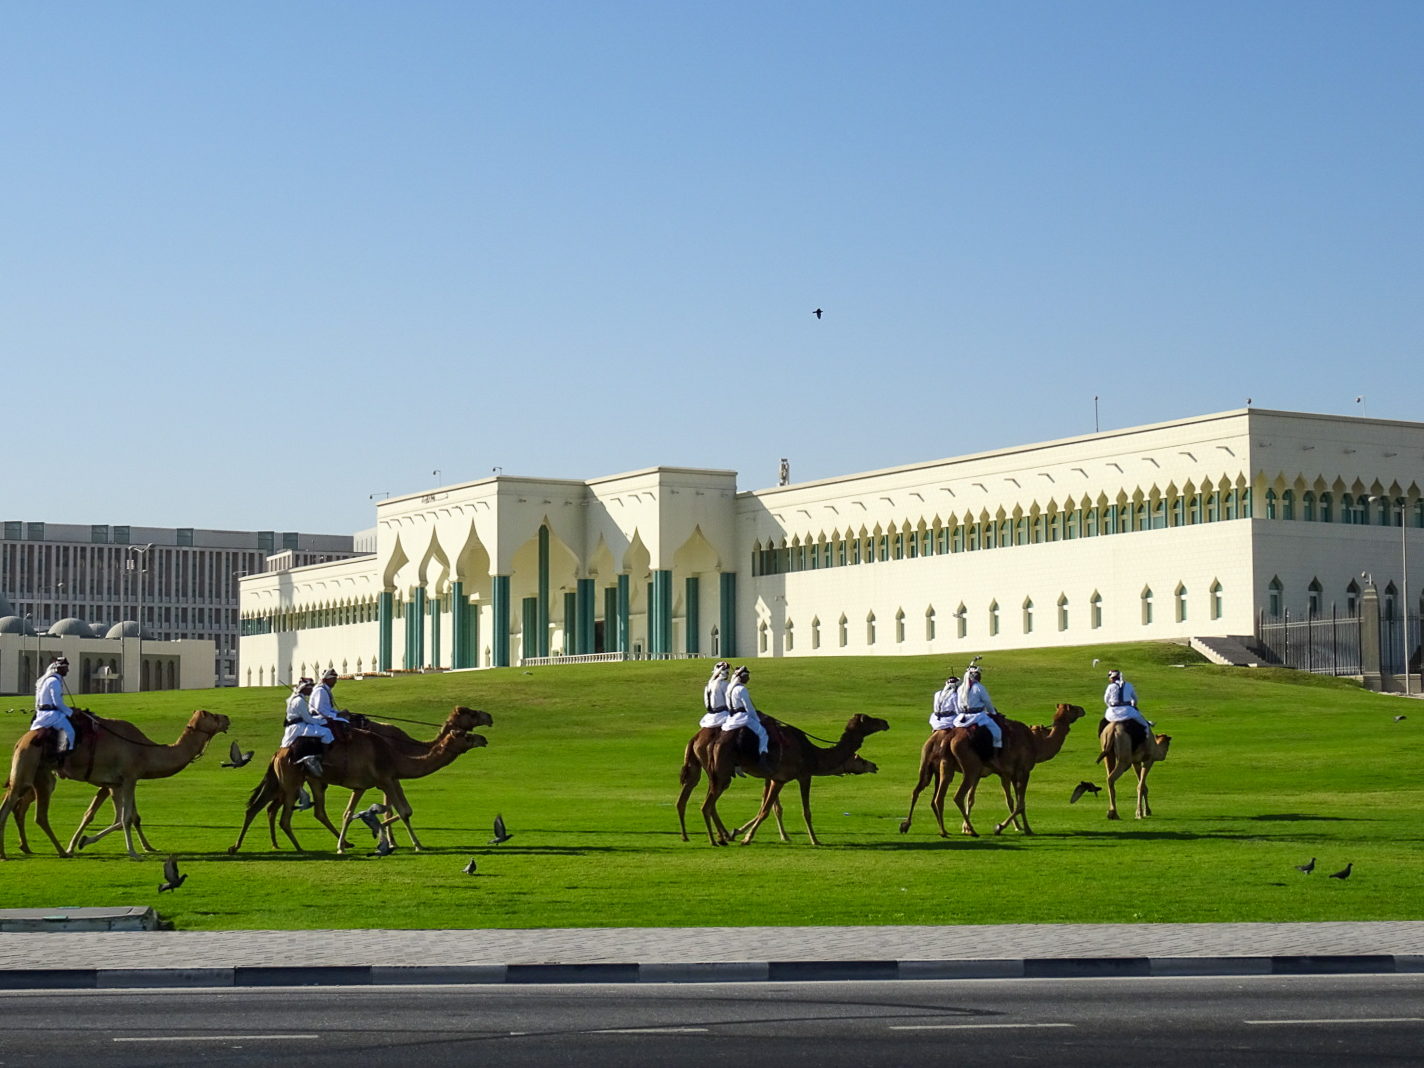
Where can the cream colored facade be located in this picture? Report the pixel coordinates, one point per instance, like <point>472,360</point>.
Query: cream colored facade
<point>1187,528</point>
<point>103,665</point>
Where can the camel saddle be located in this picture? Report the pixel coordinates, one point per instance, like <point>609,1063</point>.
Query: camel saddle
<point>982,741</point>
<point>745,745</point>
<point>1136,731</point>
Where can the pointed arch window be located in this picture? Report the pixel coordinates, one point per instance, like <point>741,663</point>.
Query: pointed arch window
<point>870,628</point>
<point>1307,506</point>
<point>844,635</point>
<point>1327,502</point>
<point>961,621</point>
<point>788,636</point>
<point>1062,611</point>
<point>1275,591</point>
<point>1180,596</point>
<point>1146,606</point>
<point>1095,604</point>
<point>1270,504</point>
<point>1028,615</point>
<point>994,618</point>
<point>1352,598</point>
<point>1216,599</point>
<point>1288,504</point>
<point>815,632</point>
<point>930,624</point>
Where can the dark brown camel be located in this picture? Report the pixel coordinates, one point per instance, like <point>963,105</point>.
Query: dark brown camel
<point>1120,754</point>
<point>794,757</point>
<point>695,760</point>
<point>363,762</point>
<point>1024,747</point>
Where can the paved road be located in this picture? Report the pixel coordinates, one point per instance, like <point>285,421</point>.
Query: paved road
<point>1173,1023</point>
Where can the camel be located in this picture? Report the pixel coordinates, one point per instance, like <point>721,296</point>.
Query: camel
<point>794,758</point>
<point>460,719</point>
<point>113,755</point>
<point>364,761</point>
<point>695,760</point>
<point>1024,747</point>
<point>1121,754</point>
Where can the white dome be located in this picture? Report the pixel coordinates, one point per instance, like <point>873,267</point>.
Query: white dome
<point>15,625</point>
<point>129,629</point>
<point>70,627</point>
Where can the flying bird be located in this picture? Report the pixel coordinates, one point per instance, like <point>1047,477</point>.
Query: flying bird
<point>171,879</point>
<point>304,800</point>
<point>1345,874</point>
<point>236,758</point>
<point>817,313</point>
<point>500,835</point>
<point>1398,718</point>
<point>1082,788</point>
<point>469,869</point>
<point>1306,868</point>
<point>1095,661</point>
<point>371,817</point>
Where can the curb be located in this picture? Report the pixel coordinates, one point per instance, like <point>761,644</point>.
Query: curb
<point>708,972</point>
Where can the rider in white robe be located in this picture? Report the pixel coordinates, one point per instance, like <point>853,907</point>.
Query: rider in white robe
<point>714,696</point>
<point>946,705</point>
<point>975,707</point>
<point>50,709</point>
<point>1121,699</point>
<point>743,713</point>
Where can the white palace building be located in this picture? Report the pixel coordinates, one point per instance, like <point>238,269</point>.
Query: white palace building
<point>1194,527</point>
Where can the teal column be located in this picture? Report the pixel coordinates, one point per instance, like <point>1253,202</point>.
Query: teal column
<point>435,632</point>
<point>584,611</point>
<point>572,627</point>
<point>385,609</point>
<point>499,608</point>
<point>660,607</point>
<point>458,626</point>
<point>625,644</point>
<point>471,612</point>
<point>692,601</point>
<point>529,648</point>
<point>729,614</point>
<point>415,627</point>
<point>542,643</point>
<point>610,619</point>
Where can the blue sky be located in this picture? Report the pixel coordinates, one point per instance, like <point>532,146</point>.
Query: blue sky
<point>259,261</point>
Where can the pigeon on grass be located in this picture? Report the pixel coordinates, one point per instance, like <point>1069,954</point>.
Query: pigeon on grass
<point>236,758</point>
<point>371,817</point>
<point>1082,788</point>
<point>384,847</point>
<point>171,879</point>
<point>1398,718</point>
<point>469,869</point>
<point>1344,873</point>
<point>500,834</point>
<point>1306,868</point>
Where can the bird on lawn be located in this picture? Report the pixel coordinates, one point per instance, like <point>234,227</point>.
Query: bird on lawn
<point>469,869</point>
<point>384,848</point>
<point>236,758</point>
<point>500,834</point>
<point>817,313</point>
<point>1344,874</point>
<point>1306,868</point>
<point>1095,661</point>
<point>371,817</point>
<point>304,800</point>
<point>171,879</point>
<point>1082,788</point>
<point>1398,718</point>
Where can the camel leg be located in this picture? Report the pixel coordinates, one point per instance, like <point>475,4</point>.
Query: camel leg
<point>945,775</point>
<point>765,790</point>
<point>342,845</point>
<point>715,789</point>
<point>396,798</point>
<point>19,813</point>
<point>44,790</point>
<point>768,799</point>
<point>1143,809</point>
<point>691,776</point>
<point>964,801</point>
<point>776,811</point>
<point>318,791</point>
<point>805,782</point>
<point>1015,795</point>
<point>927,773</point>
<point>124,801</point>
<point>77,841</point>
<point>1115,770</point>
<point>138,830</point>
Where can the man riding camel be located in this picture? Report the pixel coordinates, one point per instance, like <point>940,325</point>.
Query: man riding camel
<point>714,696</point>
<point>322,705</point>
<point>301,724</point>
<point>50,709</point>
<point>975,708</point>
<point>946,705</point>
<point>742,713</point>
<point>1121,700</point>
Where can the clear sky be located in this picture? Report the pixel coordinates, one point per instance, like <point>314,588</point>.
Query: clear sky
<point>261,260</point>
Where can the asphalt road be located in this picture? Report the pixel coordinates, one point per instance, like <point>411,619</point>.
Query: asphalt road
<point>1193,1023</point>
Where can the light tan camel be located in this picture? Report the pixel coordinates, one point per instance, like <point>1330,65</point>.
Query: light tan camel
<point>1024,748</point>
<point>695,760</point>
<point>460,719</point>
<point>1121,754</point>
<point>363,762</point>
<point>792,757</point>
<point>111,754</point>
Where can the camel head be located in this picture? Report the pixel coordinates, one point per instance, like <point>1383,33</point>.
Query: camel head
<point>463,719</point>
<point>1163,741</point>
<point>206,722</point>
<point>857,765</point>
<point>863,725</point>
<point>464,741</point>
<point>1068,714</point>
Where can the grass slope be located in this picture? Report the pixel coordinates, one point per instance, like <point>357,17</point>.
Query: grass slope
<point>1267,769</point>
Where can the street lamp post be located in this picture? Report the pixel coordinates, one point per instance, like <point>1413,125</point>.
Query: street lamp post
<point>141,551</point>
<point>1404,580</point>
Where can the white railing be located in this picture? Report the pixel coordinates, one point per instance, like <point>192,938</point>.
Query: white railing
<point>603,658</point>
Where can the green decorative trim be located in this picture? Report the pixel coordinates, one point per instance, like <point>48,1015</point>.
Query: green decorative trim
<point>385,609</point>
<point>542,641</point>
<point>500,609</point>
<point>528,641</point>
<point>571,623</point>
<point>728,613</point>
<point>625,636</point>
<point>585,613</point>
<point>692,603</point>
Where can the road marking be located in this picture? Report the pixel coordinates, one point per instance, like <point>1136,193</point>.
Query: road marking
<point>650,1031</point>
<point>968,1026</point>
<point>214,1038</point>
<point>1344,1020</point>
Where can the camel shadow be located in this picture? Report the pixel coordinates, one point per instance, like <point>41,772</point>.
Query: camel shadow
<point>1292,817</point>
<point>955,841</point>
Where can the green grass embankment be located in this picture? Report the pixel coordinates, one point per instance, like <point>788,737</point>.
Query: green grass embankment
<point>1268,768</point>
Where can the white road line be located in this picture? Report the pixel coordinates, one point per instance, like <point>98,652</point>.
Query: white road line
<point>969,1026</point>
<point>649,1031</point>
<point>1343,1020</point>
<point>213,1038</point>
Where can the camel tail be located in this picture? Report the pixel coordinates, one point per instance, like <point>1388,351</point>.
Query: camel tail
<point>263,789</point>
<point>689,767</point>
<point>1101,757</point>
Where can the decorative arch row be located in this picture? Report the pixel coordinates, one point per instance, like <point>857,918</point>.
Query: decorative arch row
<point>333,613</point>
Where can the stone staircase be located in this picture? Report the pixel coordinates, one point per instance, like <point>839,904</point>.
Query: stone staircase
<point>1232,650</point>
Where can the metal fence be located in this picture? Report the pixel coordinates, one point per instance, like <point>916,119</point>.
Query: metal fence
<point>1328,646</point>
<point>1392,645</point>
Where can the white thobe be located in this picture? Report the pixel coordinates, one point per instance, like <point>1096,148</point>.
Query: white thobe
<point>302,724</point>
<point>322,706</point>
<point>1121,700</point>
<point>744,714</point>
<point>50,709</point>
<point>714,699</point>
<point>975,707</point>
<point>946,707</point>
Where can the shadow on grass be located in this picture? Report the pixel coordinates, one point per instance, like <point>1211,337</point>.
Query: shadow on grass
<point>1292,817</point>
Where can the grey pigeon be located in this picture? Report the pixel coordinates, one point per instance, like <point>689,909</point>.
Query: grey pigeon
<point>500,835</point>
<point>1345,874</point>
<point>384,848</point>
<point>1306,868</point>
<point>1081,789</point>
<point>469,869</point>
<point>304,800</point>
<point>171,879</point>
<point>371,817</point>
<point>1398,718</point>
<point>236,758</point>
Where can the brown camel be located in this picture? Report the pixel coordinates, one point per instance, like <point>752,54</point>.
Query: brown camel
<point>1121,754</point>
<point>1024,747</point>
<point>113,755</point>
<point>695,760</point>
<point>363,762</point>
<point>460,719</point>
<point>792,757</point>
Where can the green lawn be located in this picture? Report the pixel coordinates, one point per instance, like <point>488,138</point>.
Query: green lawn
<point>1268,768</point>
